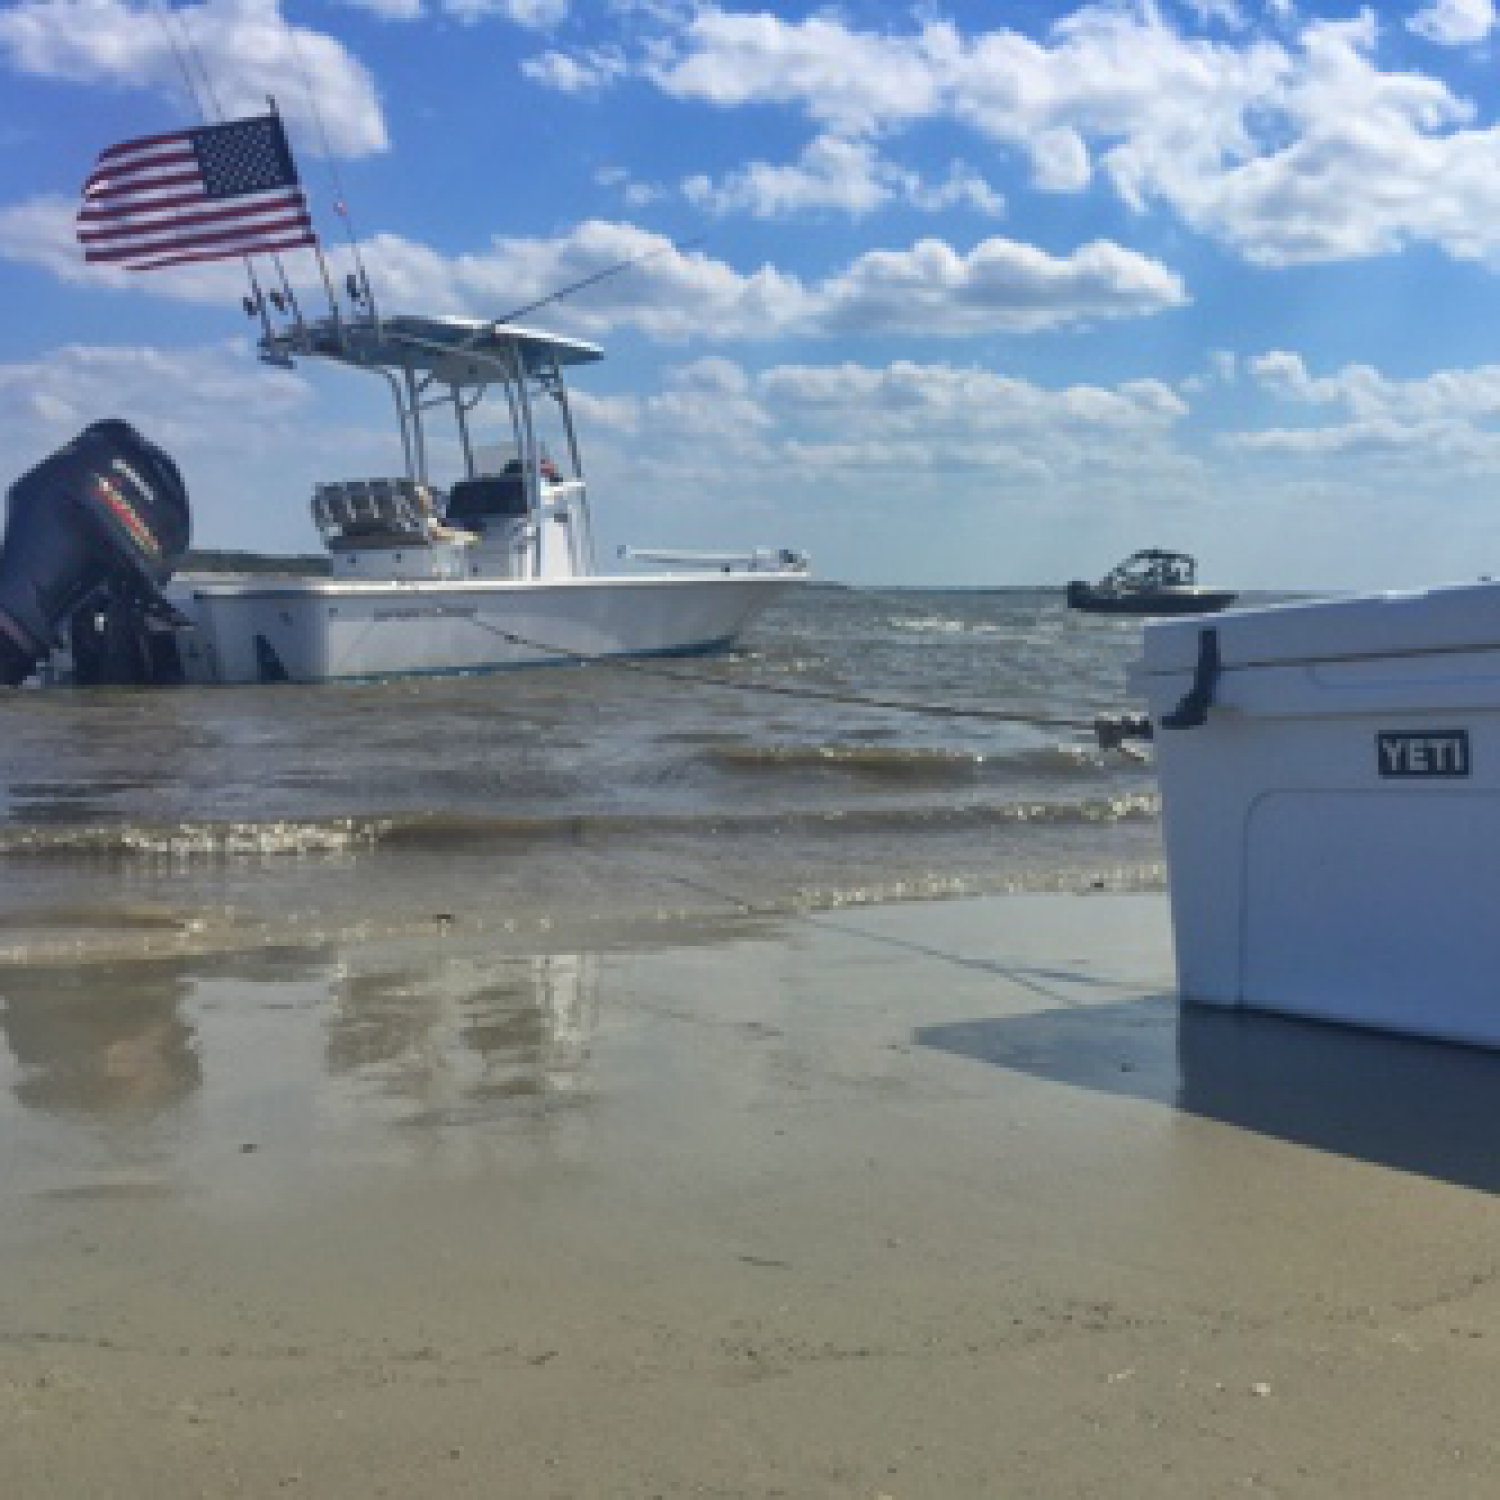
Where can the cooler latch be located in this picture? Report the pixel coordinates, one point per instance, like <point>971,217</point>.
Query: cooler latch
<point>1193,710</point>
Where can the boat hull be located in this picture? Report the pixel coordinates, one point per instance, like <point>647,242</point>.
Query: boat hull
<point>248,630</point>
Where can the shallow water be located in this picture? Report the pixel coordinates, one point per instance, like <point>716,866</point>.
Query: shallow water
<point>860,745</point>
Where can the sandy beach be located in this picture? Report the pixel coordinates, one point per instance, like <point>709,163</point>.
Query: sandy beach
<point>928,1200</point>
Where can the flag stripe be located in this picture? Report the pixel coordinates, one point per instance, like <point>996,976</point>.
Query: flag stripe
<point>269,247</point>
<point>139,225</point>
<point>203,194</point>
<point>145,142</point>
<point>127,192</point>
<point>103,214</point>
<point>240,240</point>
<point>121,174</point>
<point>207,233</point>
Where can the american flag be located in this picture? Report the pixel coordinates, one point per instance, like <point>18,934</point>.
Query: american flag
<point>204,194</point>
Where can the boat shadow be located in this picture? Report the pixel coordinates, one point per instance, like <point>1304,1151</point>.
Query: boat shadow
<point>1428,1108</point>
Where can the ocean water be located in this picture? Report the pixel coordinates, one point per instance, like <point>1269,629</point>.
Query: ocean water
<point>860,745</point>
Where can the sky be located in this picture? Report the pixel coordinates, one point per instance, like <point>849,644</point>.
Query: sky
<point>960,294</point>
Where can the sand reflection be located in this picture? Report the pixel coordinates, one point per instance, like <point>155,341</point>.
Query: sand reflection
<point>101,1043</point>
<point>468,1039</point>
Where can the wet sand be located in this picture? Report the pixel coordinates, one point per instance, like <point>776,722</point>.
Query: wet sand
<point>929,1200</point>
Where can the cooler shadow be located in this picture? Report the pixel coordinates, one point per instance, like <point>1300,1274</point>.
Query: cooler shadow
<point>1429,1108</point>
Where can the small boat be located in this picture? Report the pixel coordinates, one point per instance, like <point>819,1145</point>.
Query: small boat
<point>495,570</point>
<point>1150,582</point>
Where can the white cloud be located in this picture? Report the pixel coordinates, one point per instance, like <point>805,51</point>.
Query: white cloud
<point>1288,145</point>
<point>849,80</point>
<point>1439,431</point>
<point>1060,160</point>
<point>846,176</point>
<point>798,430</point>
<point>173,393</point>
<point>1110,74</point>
<point>230,424</point>
<point>250,441</point>
<point>245,47</point>
<point>1363,392</point>
<point>831,173</point>
<point>934,289</point>
<point>391,10</point>
<point>930,289</point>
<point>575,73</point>
<point>907,397</point>
<point>535,13</point>
<point>1454,23</point>
<point>1223,12</point>
<point>962,188</point>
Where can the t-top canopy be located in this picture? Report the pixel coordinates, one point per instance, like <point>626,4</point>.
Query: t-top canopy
<point>455,351</point>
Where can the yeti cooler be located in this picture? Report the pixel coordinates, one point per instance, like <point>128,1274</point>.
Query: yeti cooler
<point>1330,782</point>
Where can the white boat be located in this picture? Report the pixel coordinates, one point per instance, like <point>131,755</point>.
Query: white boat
<point>495,569</point>
<point>498,571</point>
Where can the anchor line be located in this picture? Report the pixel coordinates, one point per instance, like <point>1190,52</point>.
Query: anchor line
<point>1104,728</point>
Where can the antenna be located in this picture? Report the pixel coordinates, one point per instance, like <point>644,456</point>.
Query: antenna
<point>598,276</point>
<point>182,64</point>
<point>197,57</point>
<point>340,200</point>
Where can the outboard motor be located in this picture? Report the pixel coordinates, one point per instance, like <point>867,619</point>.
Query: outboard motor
<point>91,535</point>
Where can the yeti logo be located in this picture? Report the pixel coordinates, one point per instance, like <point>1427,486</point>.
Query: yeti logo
<point>1434,754</point>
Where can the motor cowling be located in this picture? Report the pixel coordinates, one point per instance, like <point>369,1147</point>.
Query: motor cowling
<point>106,515</point>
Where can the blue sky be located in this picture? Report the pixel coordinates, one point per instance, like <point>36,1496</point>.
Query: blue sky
<point>958,294</point>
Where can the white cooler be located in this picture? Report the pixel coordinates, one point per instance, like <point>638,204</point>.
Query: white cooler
<point>1332,825</point>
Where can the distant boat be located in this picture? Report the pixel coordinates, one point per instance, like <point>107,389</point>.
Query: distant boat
<point>1150,582</point>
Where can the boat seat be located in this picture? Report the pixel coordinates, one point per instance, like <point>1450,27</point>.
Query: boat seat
<point>374,510</point>
<point>487,497</point>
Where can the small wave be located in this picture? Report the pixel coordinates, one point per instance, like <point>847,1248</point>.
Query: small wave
<point>906,765</point>
<point>938,625</point>
<point>193,839</point>
<point>440,833</point>
<point>455,832</point>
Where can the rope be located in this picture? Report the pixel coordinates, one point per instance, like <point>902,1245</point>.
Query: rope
<point>1106,739</point>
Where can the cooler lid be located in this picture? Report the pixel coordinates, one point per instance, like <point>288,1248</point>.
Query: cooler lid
<point>1449,617</point>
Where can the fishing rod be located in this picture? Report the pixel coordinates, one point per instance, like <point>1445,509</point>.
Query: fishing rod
<point>598,276</point>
